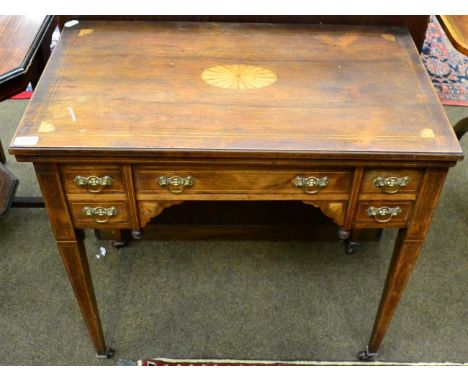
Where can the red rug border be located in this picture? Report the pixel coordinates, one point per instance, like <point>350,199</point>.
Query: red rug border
<point>233,362</point>
<point>27,94</point>
<point>454,103</point>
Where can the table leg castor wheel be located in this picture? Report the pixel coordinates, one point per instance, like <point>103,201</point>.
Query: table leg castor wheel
<point>109,354</point>
<point>350,247</point>
<point>367,356</point>
<point>118,244</point>
<point>137,234</point>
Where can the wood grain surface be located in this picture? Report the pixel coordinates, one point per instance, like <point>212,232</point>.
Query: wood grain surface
<point>416,24</point>
<point>17,38</point>
<point>341,91</point>
<point>456,27</point>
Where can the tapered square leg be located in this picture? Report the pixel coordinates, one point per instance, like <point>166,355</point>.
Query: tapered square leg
<point>406,251</point>
<point>404,257</point>
<point>77,267</point>
<point>73,252</point>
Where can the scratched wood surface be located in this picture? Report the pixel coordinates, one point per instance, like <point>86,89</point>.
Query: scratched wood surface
<point>133,87</point>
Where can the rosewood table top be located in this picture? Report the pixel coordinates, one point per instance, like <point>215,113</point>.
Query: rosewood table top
<point>224,88</point>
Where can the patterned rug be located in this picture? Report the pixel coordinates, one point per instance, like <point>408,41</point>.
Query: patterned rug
<point>232,362</point>
<point>447,67</point>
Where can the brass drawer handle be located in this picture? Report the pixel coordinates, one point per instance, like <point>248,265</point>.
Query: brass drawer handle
<point>383,214</point>
<point>101,214</point>
<point>93,183</point>
<point>310,185</point>
<point>392,184</point>
<point>175,184</point>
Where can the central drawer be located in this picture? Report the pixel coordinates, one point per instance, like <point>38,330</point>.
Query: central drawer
<point>174,181</point>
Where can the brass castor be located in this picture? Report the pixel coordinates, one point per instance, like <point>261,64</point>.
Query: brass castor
<point>109,354</point>
<point>137,234</point>
<point>365,355</point>
<point>350,247</point>
<point>118,244</point>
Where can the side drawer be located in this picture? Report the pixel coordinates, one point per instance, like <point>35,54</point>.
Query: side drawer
<point>90,179</point>
<point>391,181</point>
<point>156,180</point>
<point>384,213</point>
<point>100,214</point>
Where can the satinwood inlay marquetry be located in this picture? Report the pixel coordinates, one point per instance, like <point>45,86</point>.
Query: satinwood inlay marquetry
<point>239,76</point>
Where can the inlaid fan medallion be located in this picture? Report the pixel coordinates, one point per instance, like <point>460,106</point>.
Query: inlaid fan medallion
<point>239,76</point>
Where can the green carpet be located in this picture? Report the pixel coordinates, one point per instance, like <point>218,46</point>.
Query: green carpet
<point>221,299</point>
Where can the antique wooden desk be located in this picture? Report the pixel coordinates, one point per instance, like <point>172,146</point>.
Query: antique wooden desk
<point>132,118</point>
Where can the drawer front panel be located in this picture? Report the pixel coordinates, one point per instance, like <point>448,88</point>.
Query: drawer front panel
<point>391,181</point>
<point>89,179</point>
<point>196,181</point>
<point>100,215</point>
<point>384,212</point>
